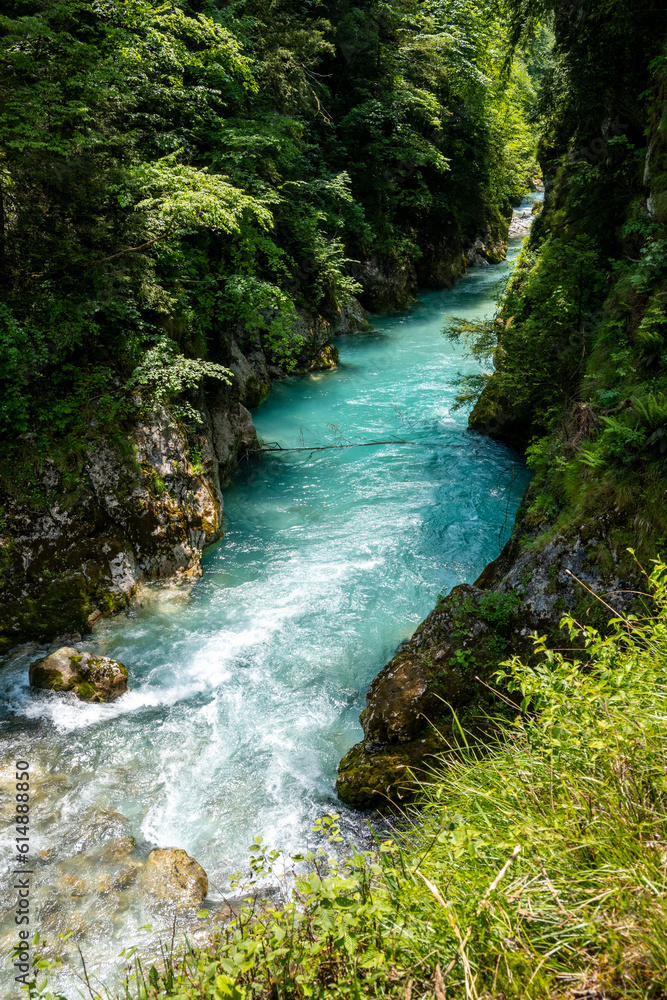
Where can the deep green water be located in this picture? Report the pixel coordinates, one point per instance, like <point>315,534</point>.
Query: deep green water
<point>246,691</point>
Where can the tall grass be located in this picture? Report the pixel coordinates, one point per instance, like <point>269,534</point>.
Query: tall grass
<point>537,868</point>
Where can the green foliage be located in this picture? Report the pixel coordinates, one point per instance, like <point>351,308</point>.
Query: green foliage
<point>535,863</point>
<point>480,339</point>
<point>479,336</point>
<point>177,197</point>
<point>600,448</point>
<point>638,432</point>
<point>653,327</point>
<point>22,352</point>
<point>579,358</point>
<point>165,375</point>
<point>495,607</point>
<point>544,330</point>
<point>497,610</point>
<point>265,309</point>
<point>200,171</point>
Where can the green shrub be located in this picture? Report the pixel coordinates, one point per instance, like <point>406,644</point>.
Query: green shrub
<point>165,375</point>
<point>535,866</point>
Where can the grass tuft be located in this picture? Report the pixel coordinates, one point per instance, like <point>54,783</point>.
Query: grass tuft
<point>534,869</point>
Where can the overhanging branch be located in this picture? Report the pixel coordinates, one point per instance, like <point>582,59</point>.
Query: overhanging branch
<point>121,253</point>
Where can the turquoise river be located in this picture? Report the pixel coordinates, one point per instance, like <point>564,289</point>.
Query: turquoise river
<point>246,689</point>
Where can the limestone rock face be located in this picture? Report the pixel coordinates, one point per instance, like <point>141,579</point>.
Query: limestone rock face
<point>90,677</point>
<point>326,360</point>
<point>166,511</point>
<point>317,353</point>
<point>171,876</point>
<point>487,250</point>
<point>388,285</point>
<point>147,518</point>
<point>351,319</point>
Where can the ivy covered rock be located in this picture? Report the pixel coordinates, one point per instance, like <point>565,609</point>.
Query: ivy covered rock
<point>171,876</point>
<point>90,677</point>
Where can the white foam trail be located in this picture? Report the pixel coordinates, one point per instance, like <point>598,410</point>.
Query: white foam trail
<point>245,690</point>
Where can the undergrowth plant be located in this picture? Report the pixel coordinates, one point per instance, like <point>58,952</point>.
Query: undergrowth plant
<point>532,868</point>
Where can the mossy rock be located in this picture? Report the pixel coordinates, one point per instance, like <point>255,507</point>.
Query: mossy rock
<point>74,585</point>
<point>388,776</point>
<point>254,391</point>
<point>443,668</point>
<point>326,359</point>
<point>90,677</point>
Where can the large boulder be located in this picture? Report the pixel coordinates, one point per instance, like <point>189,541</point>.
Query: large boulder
<point>437,675</point>
<point>90,677</point>
<point>371,777</point>
<point>397,701</point>
<point>170,876</point>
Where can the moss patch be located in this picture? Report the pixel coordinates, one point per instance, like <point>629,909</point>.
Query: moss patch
<point>387,776</point>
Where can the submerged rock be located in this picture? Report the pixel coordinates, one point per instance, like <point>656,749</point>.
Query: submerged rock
<point>324,360</point>
<point>90,677</point>
<point>118,849</point>
<point>170,875</point>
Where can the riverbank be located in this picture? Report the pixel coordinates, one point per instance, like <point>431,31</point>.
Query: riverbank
<point>536,870</point>
<point>245,685</point>
<point>578,385</point>
<point>169,256</point>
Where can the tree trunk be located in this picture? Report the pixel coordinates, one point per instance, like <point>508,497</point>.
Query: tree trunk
<point>3,272</point>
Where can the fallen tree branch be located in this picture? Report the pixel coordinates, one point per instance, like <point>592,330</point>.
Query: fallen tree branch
<point>328,447</point>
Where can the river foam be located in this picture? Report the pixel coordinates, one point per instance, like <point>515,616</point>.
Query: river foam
<point>247,687</point>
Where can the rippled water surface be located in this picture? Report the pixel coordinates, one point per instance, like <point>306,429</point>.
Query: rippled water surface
<point>246,691</point>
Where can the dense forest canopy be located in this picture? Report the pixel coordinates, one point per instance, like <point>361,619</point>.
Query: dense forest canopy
<point>171,173</point>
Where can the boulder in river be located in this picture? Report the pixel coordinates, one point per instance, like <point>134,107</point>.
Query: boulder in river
<point>170,875</point>
<point>396,702</point>
<point>90,677</point>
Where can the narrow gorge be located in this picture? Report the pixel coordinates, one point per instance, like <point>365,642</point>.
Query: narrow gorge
<point>333,459</point>
<point>245,686</point>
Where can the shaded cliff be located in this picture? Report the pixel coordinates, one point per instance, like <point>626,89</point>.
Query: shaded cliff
<point>579,354</point>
